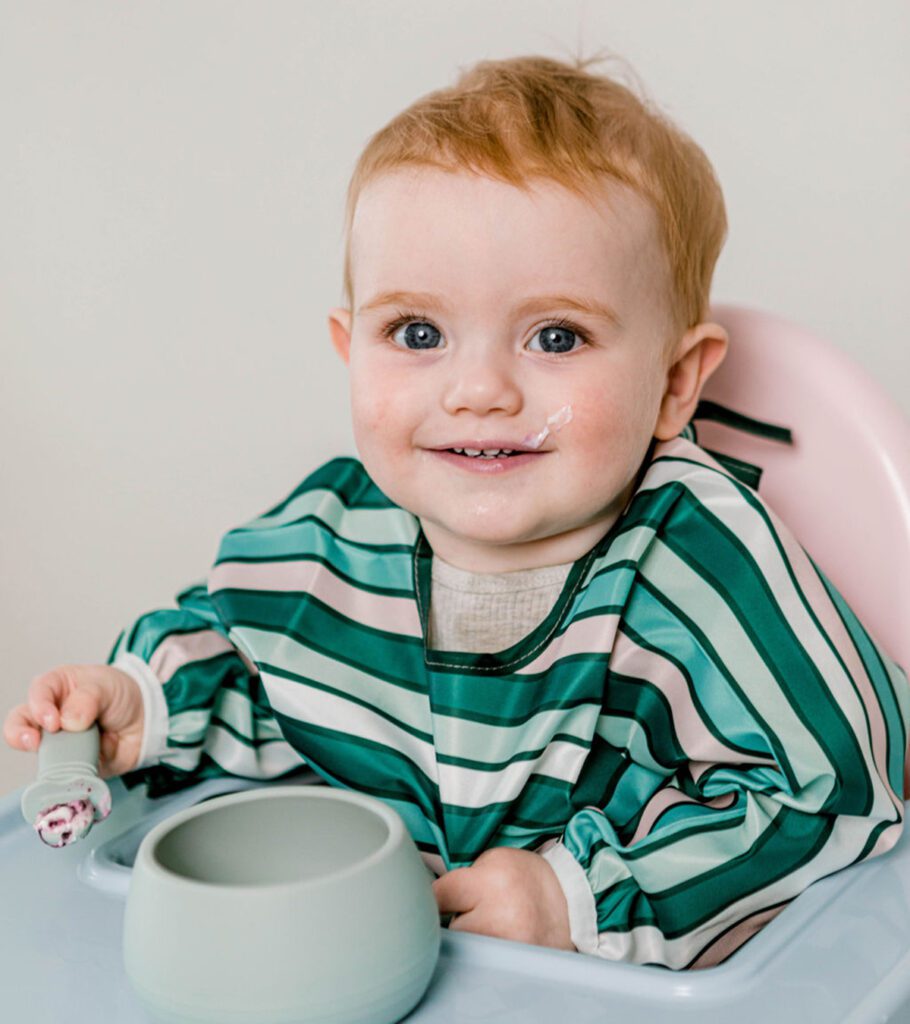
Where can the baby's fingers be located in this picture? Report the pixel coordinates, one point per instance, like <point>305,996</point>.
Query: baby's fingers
<point>20,731</point>
<point>64,698</point>
<point>45,694</point>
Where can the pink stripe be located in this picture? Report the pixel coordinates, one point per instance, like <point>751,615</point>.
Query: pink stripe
<point>699,743</point>
<point>731,941</point>
<point>670,797</point>
<point>831,623</point>
<point>886,840</point>
<point>584,636</point>
<point>827,615</point>
<point>390,614</point>
<point>179,649</point>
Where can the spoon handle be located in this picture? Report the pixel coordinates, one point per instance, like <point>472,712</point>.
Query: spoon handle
<point>69,751</point>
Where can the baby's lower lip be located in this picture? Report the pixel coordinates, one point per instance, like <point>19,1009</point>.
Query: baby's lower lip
<point>475,464</point>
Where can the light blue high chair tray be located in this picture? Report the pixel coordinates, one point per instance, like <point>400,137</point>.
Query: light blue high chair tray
<point>839,953</point>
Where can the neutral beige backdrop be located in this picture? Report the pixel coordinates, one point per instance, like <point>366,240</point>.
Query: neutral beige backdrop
<point>171,186</point>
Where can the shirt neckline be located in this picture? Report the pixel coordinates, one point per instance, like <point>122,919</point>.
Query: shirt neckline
<point>527,648</point>
<point>450,577</point>
<point>519,653</point>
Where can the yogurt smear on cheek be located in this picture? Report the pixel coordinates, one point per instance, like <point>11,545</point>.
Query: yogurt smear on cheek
<point>557,421</point>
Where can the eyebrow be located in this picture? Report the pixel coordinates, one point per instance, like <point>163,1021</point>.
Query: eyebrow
<point>535,304</point>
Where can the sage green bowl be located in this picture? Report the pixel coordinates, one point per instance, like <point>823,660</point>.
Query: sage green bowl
<point>281,905</point>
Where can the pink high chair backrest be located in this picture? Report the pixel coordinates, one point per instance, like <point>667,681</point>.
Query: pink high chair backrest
<point>843,486</point>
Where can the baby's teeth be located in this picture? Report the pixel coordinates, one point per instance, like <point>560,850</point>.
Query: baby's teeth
<point>485,453</point>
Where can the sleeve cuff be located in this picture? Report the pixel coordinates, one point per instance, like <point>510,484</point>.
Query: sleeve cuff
<point>154,707</point>
<point>579,897</point>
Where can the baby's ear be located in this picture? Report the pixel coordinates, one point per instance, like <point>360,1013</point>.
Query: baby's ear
<point>340,330</point>
<point>698,354</point>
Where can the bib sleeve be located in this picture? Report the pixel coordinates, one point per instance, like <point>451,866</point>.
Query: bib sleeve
<point>206,712</point>
<point>764,732</point>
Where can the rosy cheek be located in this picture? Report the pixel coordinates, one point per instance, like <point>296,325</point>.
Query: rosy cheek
<point>370,401</point>
<point>607,427</point>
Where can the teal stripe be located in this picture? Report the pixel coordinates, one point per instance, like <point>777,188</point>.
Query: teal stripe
<point>711,714</point>
<point>732,716</point>
<point>874,661</point>
<point>712,550</point>
<point>313,535</point>
<point>786,845</point>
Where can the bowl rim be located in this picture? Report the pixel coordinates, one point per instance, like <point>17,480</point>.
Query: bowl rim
<point>395,836</point>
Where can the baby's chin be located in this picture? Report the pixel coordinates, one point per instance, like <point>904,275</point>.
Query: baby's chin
<point>494,534</point>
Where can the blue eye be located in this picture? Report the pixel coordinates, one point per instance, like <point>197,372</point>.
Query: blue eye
<point>559,338</point>
<point>418,334</point>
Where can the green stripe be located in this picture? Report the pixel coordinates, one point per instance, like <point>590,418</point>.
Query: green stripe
<point>792,840</point>
<point>370,767</point>
<point>641,701</point>
<point>715,550</point>
<point>388,656</point>
<point>708,719</point>
<point>874,661</point>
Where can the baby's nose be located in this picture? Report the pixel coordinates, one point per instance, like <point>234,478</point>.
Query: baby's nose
<point>482,387</point>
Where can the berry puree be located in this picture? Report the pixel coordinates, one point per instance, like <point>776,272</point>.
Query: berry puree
<point>63,824</point>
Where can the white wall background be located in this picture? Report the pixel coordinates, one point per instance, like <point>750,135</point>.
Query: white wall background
<point>172,179</point>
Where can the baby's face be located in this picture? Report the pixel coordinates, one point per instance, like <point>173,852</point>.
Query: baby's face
<point>463,335</point>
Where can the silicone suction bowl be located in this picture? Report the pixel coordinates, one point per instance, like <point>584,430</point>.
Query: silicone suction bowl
<point>281,905</point>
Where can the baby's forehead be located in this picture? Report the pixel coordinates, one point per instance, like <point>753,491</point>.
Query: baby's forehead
<point>426,219</point>
<point>456,192</point>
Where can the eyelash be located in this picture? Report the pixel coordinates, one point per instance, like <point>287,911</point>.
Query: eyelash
<point>403,317</point>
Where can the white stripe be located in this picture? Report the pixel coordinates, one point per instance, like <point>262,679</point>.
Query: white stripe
<point>490,744</point>
<point>720,496</point>
<point>690,592</point>
<point>280,651</point>
<point>265,762</point>
<point>467,787</point>
<point>329,711</point>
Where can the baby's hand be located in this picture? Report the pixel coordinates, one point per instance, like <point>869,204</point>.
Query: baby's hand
<point>509,894</point>
<point>72,697</point>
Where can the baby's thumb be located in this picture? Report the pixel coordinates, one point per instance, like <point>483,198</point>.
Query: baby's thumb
<point>79,711</point>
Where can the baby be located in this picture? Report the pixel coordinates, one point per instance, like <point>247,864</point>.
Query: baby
<point>617,706</point>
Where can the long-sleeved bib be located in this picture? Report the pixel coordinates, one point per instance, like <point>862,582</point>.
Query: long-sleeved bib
<point>697,730</point>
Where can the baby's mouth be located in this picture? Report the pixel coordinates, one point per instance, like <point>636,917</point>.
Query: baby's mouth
<point>485,453</point>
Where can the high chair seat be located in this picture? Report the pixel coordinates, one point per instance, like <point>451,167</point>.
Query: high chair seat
<point>843,485</point>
